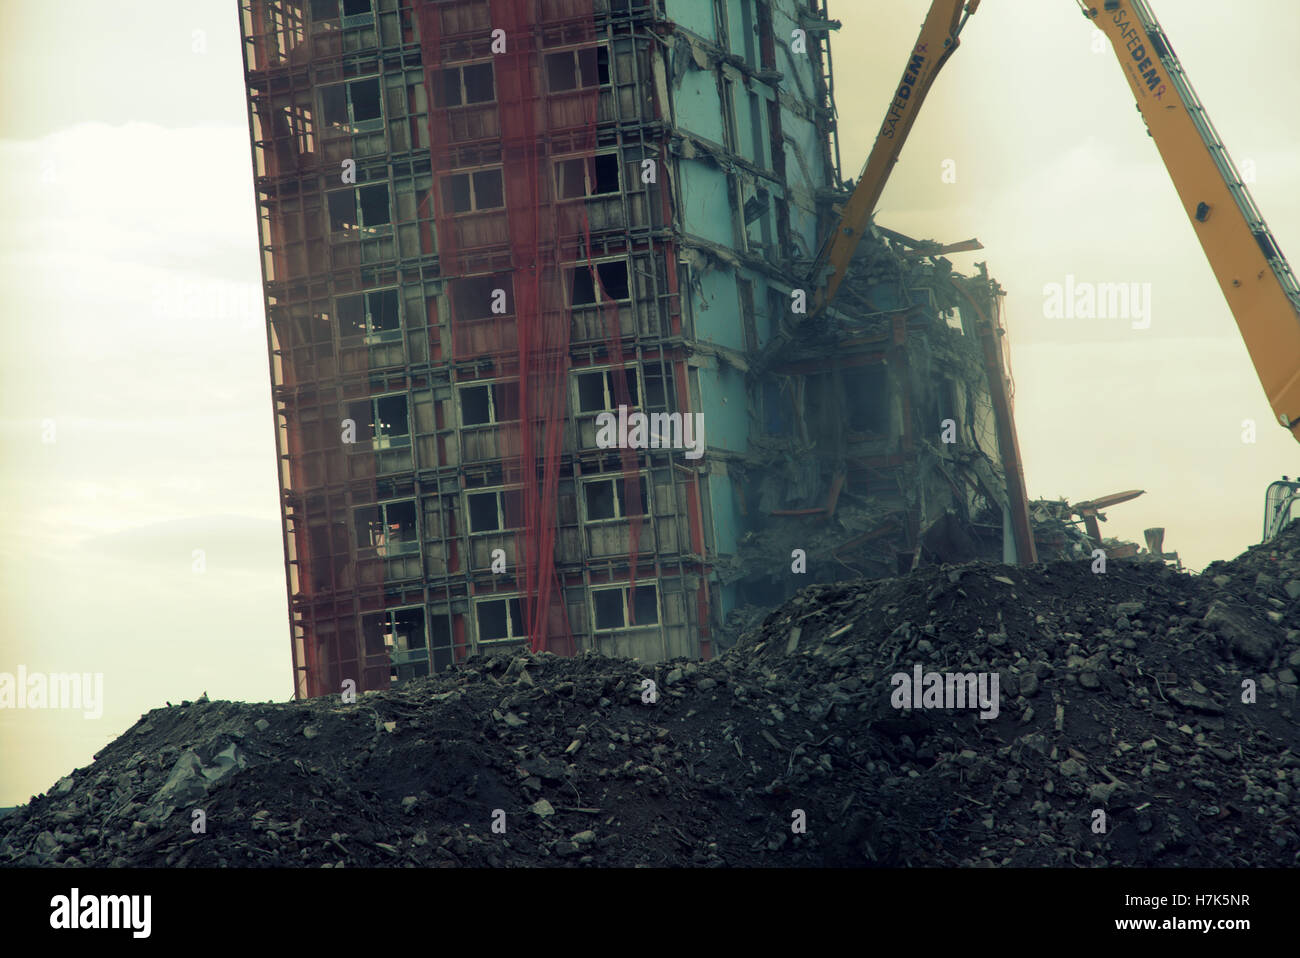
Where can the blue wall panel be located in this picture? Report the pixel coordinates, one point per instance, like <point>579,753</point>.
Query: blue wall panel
<point>694,15</point>
<point>726,424</point>
<point>696,104</point>
<point>706,203</point>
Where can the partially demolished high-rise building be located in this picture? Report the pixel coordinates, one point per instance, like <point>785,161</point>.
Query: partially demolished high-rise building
<point>518,255</point>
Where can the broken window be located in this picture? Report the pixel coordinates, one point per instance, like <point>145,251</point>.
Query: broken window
<point>583,176</point>
<point>383,419</point>
<point>577,69</point>
<point>493,403</point>
<point>866,394</point>
<point>296,124</point>
<point>658,386</point>
<point>373,202</point>
<point>609,607</point>
<point>408,630</point>
<point>306,326</point>
<point>604,173</point>
<point>391,423</point>
<point>389,528</point>
<point>500,620</point>
<point>466,85</point>
<point>495,511</point>
<point>440,642</point>
<point>398,630</point>
<point>729,115</point>
<point>475,406</point>
<point>475,297</point>
<point>613,281</point>
<point>747,30</point>
<point>757,205</point>
<point>353,106</point>
<point>362,208</point>
<point>469,192</point>
<point>609,499</point>
<point>374,315</point>
<point>598,391</point>
<point>400,633</point>
<point>350,10</point>
<point>582,288</point>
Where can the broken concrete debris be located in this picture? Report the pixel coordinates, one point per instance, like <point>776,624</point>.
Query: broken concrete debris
<point>1135,694</point>
<point>880,451</point>
<point>877,448</point>
<point>1064,530</point>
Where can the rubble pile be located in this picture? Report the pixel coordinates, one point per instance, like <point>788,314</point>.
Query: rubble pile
<point>1144,717</point>
<point>1056,534</point>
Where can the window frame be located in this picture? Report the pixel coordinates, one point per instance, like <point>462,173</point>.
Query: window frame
<point>346,21</point>
<point>596,628</point>
<point>359,227</point>
<point>510,636</point>
<point>469,175</point>
<point>378,440</point>
<point>594,268</point>
<point>389,616</point>
<point>577,68</point>
<point>405,547</point>
<point>620,511</point>
<point>607,388</point>
<point>492,402</point>
<point>371,335</point>
<point>589,175</point>
<point>498,492</point>
<point>354,126</point>
<point>464,91</point>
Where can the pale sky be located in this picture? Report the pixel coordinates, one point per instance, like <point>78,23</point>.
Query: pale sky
<point>129,256</point>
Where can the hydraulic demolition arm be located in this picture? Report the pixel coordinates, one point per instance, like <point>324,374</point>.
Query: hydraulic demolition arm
<point>1256,279</point>
<point>937,42</point>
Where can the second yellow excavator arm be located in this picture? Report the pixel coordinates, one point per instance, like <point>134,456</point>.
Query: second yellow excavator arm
<point>936,43</point>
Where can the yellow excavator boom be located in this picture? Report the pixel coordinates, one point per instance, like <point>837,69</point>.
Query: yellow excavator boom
<point>1255,277</point>
<point>936,43</point>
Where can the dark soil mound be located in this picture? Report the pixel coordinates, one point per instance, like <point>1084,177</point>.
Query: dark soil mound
<point>1120,706</point>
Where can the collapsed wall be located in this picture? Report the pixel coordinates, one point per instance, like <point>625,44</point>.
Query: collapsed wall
<point>877,449</point>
